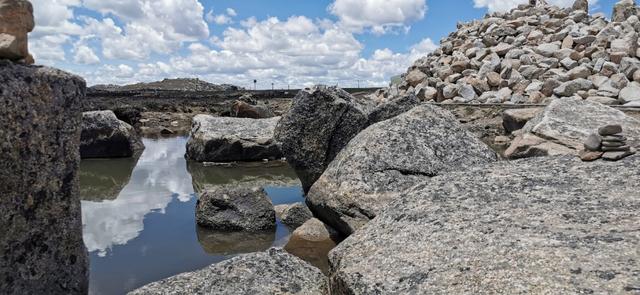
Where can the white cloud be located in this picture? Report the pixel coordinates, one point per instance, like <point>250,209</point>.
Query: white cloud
<point>380,16</point>
<point>505,5</point>
<point>85,55</point>
<point>231,12</point>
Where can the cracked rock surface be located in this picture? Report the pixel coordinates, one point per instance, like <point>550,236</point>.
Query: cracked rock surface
<point>552,225</point>
<point>390,157</point>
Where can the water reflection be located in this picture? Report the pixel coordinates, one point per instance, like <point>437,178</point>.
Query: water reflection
<point>223,243</point>
<point>102,179</point>
<point>160,175</point>
<point>273,173</point>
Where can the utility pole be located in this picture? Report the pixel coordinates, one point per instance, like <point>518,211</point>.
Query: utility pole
<point>272,87</point>
<point>255,85</point>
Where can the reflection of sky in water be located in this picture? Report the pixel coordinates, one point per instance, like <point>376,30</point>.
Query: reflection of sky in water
<point>160,175</point>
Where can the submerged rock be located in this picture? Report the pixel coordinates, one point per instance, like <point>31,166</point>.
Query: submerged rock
<point>565,124</point>
<point>540,225</point>
<point>228,208</point>
<point>319,125</point>
<point>219,139</point>
<point>263,273</point>
<point>229,243</point>
<point>104,136</point>
<point>390,157</point>
<point>312,242</point>
<point>41,248</point>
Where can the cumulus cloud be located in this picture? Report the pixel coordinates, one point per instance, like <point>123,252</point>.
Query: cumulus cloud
<point>85,55</point>
<point>381,16</point>
<point>505,5</point>
<point>221,19</point>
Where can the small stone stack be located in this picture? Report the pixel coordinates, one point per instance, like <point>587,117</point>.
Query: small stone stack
<point>609,144</point>
<point>16,21</point>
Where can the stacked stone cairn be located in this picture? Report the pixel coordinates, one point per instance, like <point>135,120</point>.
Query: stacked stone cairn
<point>531,55</point>
<point>16,21</point>
<point>608,143</point>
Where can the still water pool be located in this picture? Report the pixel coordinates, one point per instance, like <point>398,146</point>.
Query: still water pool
<point>138,215</point>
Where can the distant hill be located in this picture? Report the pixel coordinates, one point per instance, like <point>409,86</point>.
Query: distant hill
<point>181,84</point>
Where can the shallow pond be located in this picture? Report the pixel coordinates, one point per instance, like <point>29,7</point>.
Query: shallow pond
<point>138,215</point>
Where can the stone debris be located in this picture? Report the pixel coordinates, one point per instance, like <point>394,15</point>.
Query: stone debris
<point>16,21</point>
<point>533,54</point>
<point>608,143</point>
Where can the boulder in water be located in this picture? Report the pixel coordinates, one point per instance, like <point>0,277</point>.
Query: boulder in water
<point>104,136</point>
<point>228,208</point>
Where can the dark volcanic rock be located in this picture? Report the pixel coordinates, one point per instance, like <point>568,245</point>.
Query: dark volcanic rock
<point>219,139</point>
<point>540,225</point>
<point>104,136</point>
<point>228,208</point>
<point>390,157</point>
<point>41,248</point>
<point>264,273</point>
<point>320,123</point>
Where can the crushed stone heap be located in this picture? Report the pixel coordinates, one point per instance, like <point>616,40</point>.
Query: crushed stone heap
<point>531,55</point>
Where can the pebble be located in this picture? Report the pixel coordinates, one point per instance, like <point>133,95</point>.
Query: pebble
<point>613,143</point>
<point>616,156</point>
<point>593,142</point>
<point>614,138</point>
<point>610,130</point>
<point>623,148</point>
<point>589,156</point>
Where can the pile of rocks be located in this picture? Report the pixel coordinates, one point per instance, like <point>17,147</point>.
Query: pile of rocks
<point>609,144</point>
<point>16,21</point>
<point>530,55</point>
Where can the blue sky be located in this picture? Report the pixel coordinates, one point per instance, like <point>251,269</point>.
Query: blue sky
<point>287,42</point>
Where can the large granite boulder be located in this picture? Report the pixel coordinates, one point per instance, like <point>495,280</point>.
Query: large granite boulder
<point>312,242</point>
<point>392,108</point>
<point>41,248</point>
<point>241,109</point>
<point>16,21</point>
<point>263,273</point>
<point>229,208</point>
<point>320,123</point>
<point>564,125</point>
<point>551,225</point>
<point>390,157</point>
<point>104,136</point>
<point>219,139</point>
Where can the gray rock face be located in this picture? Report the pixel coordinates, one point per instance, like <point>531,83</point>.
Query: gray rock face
<point>320,123</point>
<point>104,136</point>
<point>219,139</point>
<point>228,208</point>
<point>393,108</point>
<point>544,225</point>
<point>390,157</point>
<point>264,273</point>
<point>41,248</point>
<point>516,119</point>
<point>565,124</point>
<point>294,215</point>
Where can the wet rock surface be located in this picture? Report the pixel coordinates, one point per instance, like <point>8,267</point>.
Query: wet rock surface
<point>219,139</point>
<point>270,272</point>
<point>540,225</point>
<point>319,125</point>
<point>104,136</point>
<point>41,248</point>
<point>230,208</point>
<point>312,242</point>
<point>565,124</point>
<point>390,157</point>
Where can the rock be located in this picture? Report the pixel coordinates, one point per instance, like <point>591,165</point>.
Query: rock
<point>390,157</point>
<point>501,140</point>
<point>229,208</point>
<point>590,156</point>
<point>624,148</point>
<point>516,227</point>
<point>41,245</point>
<point>467,93</point>
<point>494,79</point>
<point>623,10</point>
<point>415,77</point>
<point>241,109</point>
<point>610,130</point>
<point>565,124</point>
<point>219,139</point>
<point>593,142</point>
<point>547,49</point>
<point>262,273</point>
<point>580,72</point>
<point>320,123</point>
<point>16,20</point>
<point>630,93</point>
<point>582,5</point>
<point>427,93</point>
<point>315,231</point>
<point>392,108</point>
<point>515,119</point>
<point>104,136</point>
<point>603,100</point>
<point>232,243</point>
<point>617,156</point>
<point>570,88</point>
<point>294,215</point>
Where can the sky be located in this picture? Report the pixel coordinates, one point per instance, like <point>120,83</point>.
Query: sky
<point>287,43</point>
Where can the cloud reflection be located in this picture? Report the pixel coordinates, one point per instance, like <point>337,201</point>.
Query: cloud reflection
<point>159,176</point>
